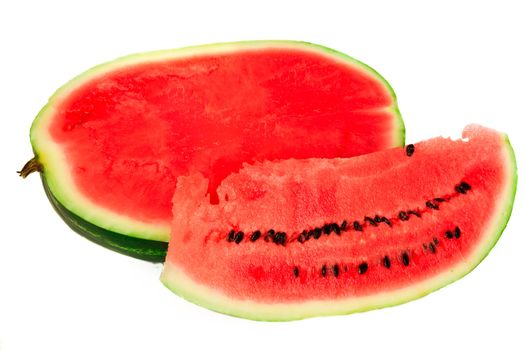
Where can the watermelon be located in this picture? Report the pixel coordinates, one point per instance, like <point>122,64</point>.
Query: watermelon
<point>299,238</point>
<point>111,143</point>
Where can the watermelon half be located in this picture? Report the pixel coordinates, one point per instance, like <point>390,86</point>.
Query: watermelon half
<point>301,238</point>
<point>111,143</point>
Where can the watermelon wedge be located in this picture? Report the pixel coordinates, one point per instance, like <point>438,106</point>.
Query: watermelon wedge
<point>301,238</point>
<point>111,143</point>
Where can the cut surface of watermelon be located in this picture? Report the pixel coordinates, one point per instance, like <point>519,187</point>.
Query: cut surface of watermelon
<point>301,238</point>
<point>112,142</point>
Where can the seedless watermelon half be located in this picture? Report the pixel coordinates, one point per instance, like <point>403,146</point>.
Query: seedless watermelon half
<point>111,143</point>
<point>301,238</point>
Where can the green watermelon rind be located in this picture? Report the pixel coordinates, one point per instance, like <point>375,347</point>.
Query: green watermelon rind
<point>181,284</point>
<point>153,251</point>
<point>79,211</point>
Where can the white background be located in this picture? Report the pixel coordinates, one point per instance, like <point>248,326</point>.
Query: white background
<point>450,64</point>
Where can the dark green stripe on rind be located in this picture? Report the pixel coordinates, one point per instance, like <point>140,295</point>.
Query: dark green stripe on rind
<point>139,248</point>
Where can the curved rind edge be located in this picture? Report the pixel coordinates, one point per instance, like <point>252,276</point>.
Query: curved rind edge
<point>58,178</point>
<point>148,250</point>
<point>399,137</point>
<point>181,284</point>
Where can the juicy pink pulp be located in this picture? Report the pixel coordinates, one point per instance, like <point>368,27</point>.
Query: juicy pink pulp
<point>295,195</point>
<point>128,135</point>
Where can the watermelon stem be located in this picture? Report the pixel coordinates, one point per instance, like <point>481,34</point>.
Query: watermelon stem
<point>30,167</point>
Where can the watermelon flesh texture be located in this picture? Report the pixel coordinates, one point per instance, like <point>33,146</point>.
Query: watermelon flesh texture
<point>113,141</point>
<point>437,214</point>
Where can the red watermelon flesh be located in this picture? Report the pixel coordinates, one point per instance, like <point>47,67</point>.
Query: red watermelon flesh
<point>124,133</point>
<point>301,238</point>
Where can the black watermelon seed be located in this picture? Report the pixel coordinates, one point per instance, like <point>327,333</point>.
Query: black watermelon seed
<point>370,221</point>
<point>335,270</point>
<point>377,219</point>
<point>435,240</point>
<point>336,229</point>
<point>357,226</point>
<point>255,236</point>
<point>362,268</point>
<point>410,150</point>
<point>317,233</point>
<point>269,235</point>
<point>457,232</point>
<point>386,262</point>
<point>432,247</point>
<point>403,216</point>
<point>462,188</point>
<point>386,221</point>
<point>449,235</point>
<point>343,225</point>
<point>302,237</point>
<point>280,238</point>
<point>439,200</point>
<point>296,271</point>
<point>323,271</point>
<point>327,229</point>
<point>412,212</point>
<point>465,185</point>
<point>238,237</point>
<point>432,205</point>
<point>406,259</point>
<point>231,236</point>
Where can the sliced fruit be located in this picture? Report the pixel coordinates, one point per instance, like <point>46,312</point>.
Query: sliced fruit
<point>301,238</point>
<point>112,142</point>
